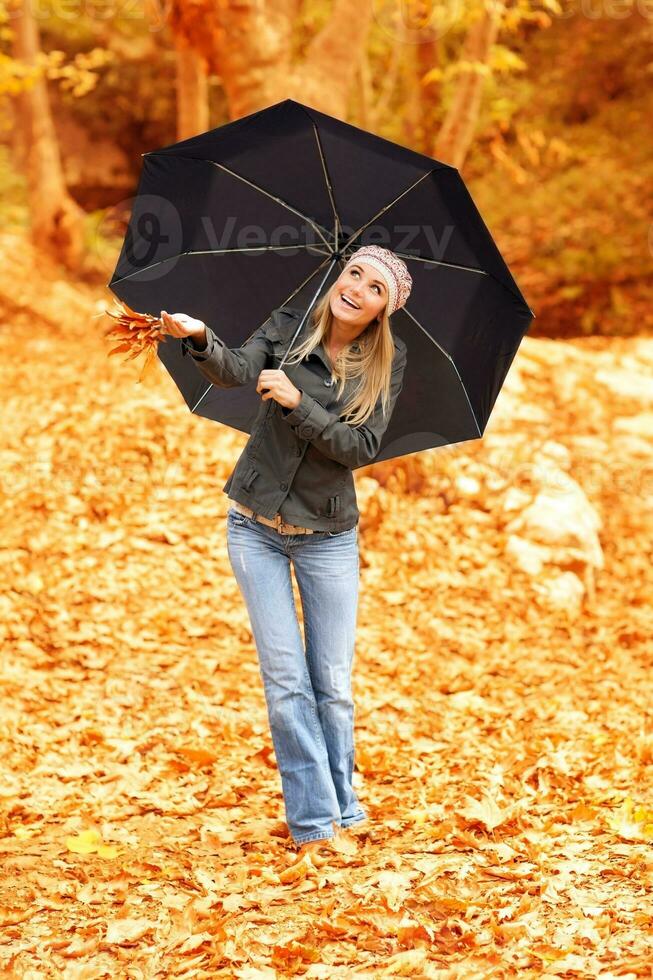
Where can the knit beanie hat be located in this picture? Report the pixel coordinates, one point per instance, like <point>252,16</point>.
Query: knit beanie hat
<point>393,270</point>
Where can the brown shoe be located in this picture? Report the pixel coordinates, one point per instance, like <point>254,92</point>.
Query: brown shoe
<point>319,851</point>
<point>360,829</point>
<point>279,829</point>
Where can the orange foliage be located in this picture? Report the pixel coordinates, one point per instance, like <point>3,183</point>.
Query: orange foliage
<point>502,683</point>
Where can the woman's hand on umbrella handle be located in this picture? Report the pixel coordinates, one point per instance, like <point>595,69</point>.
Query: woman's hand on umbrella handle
<point>182,325</point>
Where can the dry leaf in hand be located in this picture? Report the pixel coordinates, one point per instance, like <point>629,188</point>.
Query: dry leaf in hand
<point>137,332</point>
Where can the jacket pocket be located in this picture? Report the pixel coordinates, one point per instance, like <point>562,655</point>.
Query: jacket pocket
<point>249,478</point>
<point>333,505</point>
<point>240,520</point>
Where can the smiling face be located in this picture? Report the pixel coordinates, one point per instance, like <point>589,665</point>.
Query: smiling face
<point>363,286</point>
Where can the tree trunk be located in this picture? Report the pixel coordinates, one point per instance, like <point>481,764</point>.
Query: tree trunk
<point>192,92</point>
<point>382,105</point>
<point>366,93</point>
<point>411,109</point>
<point>428,57</point>
<point>56,220</point>
<point>421,55</point>
<point>249,45</point>
<point>457,131</point>
<point>327,73</point>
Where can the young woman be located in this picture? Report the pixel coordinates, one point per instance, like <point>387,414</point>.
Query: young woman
<point>294,501</point>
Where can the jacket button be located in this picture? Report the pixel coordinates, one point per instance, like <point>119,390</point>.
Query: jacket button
<point>328,382</point>
<point>298,451</point>
<point>283,486</point>
<point>308,432</point>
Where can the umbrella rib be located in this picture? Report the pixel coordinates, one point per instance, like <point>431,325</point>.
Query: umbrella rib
<point>290,295</point>
<point>449,358</point>
<point>272,197</point>
<point>217,251</point>
<point>308,278</point>
<point>310,305</point>
<point>454,265</point>
<point>329,187</point>
<point>450,265</point>
<point>252,248</point>
<point>386,208</point>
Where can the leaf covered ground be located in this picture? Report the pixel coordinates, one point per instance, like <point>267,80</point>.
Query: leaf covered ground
<point>502,683</point>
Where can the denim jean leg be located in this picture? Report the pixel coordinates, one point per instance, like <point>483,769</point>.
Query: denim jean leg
<point>261,565</point>
<point>327,571</point>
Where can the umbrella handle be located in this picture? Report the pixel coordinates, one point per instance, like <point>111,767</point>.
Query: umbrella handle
<point>271,401</point>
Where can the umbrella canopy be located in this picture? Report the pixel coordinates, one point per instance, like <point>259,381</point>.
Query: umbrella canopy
<point>265,211</point>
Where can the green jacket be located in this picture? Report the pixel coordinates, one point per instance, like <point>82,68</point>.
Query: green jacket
<point>297,462</point>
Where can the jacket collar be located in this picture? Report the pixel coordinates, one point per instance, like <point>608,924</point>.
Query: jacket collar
<point>320,353</point>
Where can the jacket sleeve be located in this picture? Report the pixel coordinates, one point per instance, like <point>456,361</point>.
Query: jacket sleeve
<point>353,446</point>
<point>229,367</point>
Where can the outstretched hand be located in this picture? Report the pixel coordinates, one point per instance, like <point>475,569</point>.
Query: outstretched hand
<point>181,325</point>
<point>276,384</point>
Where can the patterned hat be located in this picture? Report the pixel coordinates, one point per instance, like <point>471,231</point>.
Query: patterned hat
<point>393,269</point>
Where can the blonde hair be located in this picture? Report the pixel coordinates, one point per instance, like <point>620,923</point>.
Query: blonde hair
<point>372,362</point>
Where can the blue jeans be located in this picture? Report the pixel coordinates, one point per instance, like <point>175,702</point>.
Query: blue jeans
<point>308,694</point>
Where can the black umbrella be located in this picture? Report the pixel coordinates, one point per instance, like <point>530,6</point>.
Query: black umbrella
<point>265,211</point>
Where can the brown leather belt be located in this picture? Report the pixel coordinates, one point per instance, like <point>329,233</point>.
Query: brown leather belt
<point>277,523</point>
